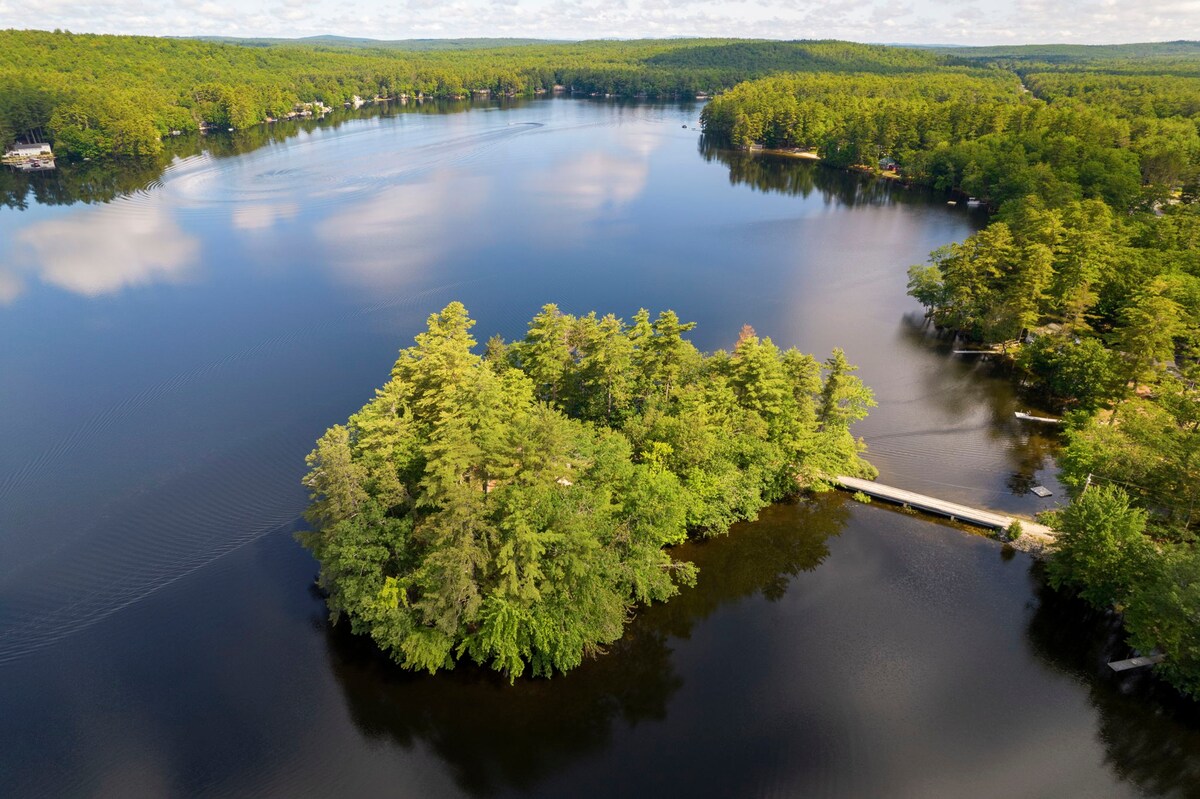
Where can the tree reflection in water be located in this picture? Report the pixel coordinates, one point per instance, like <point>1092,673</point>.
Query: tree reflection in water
<point>784,174</point>
<point>494,736</point>
<point>1151,735</point>
<point>105,180</point>
<point>966,384</point>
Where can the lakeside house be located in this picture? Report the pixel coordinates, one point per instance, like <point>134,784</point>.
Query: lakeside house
<point>30,157</point>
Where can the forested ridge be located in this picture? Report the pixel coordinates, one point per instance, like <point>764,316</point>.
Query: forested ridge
<point>97,96</point>
<point>1159,58</point>
<point>512,508</point>
<point>1087,277</point>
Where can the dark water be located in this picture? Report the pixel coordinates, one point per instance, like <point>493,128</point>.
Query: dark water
<point>168,358</point>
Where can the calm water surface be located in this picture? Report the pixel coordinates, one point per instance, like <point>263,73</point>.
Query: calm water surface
<point>168,358</point>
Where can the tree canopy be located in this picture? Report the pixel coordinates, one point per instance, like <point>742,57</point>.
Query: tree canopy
<point>119,95</point>
<point>1103,553</point>
<point>512,508</point>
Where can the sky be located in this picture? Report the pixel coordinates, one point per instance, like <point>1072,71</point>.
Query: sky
<point>893,21</point>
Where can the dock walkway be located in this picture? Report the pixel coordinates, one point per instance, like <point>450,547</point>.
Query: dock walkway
<point>1136,663</point>
<point>1033,533</point>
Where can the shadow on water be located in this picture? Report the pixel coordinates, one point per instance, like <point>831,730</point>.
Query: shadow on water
<point>495,737</point>
<point>1151,735</point>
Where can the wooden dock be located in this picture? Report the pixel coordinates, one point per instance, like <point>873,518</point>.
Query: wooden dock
<point>1136,663</point>
<point>951,510</point>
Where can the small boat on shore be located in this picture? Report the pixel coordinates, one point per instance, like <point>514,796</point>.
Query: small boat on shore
<point>1030,418</point>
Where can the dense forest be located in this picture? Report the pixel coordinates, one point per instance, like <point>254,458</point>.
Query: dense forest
<point>511,508</point>
<point>1086,279</point>
<point>96,96</point>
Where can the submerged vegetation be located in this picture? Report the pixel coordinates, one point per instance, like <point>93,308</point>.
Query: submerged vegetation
<point>512,508</point>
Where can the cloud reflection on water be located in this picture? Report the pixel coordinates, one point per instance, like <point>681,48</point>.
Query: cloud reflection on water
<point>99,251</point>
<point>580,190</point>
<point>399,234</point>
<point>263,216</point>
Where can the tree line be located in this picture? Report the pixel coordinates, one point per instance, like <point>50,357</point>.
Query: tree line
<point>98,96</point>
<point>979,131</point>
<point>511,508</point>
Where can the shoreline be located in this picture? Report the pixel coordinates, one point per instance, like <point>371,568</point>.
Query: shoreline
<point>812,156</point>
<point>787,152</point>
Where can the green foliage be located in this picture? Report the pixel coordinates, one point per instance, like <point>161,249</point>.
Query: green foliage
<point>512,509</point>
<point>124,86</point>
<point>1164,614</point>
<point>1103,553</point>
<point>926,284</point>
<point>1074,147</point>
<point>1101,549</point>
<point>92,127</point>
<point>1080,372</point>
<point>1069,56</point>
<point>1098,298</point>
<point>1114,304</point>
<point>1152,449</point>
<point>1147,328</point>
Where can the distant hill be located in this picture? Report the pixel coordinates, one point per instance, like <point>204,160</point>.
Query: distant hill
<point>752,56</point>
<point>381,44</point>
<point>1179,58</point>
<point>1077,52</point>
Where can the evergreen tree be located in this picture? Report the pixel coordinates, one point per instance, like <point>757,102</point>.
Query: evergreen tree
<point>1146,335</point>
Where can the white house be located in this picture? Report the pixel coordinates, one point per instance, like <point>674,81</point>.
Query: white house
<point>22,151</point>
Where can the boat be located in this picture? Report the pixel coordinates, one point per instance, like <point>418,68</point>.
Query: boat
<point>973,202</point>
<point>1031,418</point>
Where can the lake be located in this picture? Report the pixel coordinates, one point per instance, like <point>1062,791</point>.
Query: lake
<point>171,354</point>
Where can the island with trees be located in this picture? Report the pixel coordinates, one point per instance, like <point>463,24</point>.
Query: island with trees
<point>512,508</point>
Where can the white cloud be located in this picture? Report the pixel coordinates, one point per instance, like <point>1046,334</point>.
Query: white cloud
<point>997,21</point>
